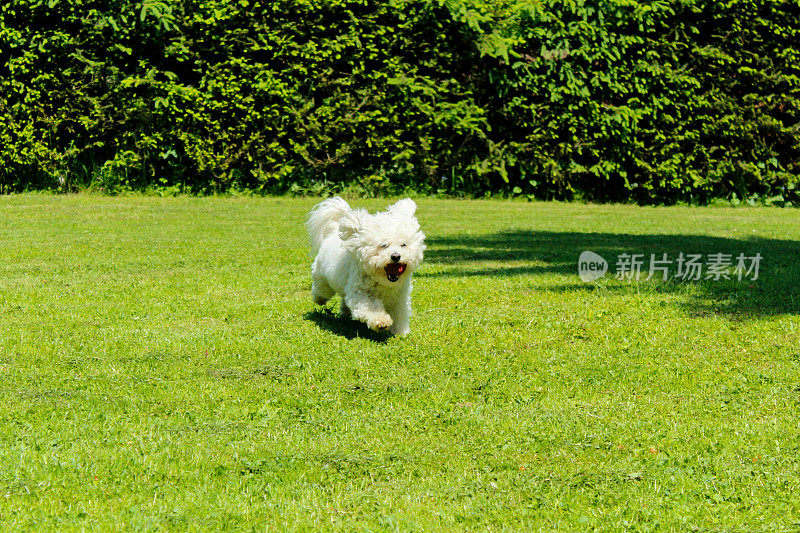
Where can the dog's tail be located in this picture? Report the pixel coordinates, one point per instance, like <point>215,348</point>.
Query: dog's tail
<point>323,220</point>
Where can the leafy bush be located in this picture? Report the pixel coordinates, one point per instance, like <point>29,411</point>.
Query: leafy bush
<point>657,101</point>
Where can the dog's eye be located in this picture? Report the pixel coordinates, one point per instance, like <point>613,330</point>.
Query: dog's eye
<point>403,245</point>
<point>384,246</point>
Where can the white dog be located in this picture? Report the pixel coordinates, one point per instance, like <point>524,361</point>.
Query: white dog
<point>367,259</point>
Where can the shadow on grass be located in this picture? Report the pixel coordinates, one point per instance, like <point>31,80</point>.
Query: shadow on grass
<point>774,292</point>
<point>344,327</point>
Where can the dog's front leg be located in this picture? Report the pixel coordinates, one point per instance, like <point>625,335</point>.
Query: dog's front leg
<point>400,311</point>
<point>368,309</point>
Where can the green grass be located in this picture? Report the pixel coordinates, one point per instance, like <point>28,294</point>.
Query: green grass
<point>163,367</point>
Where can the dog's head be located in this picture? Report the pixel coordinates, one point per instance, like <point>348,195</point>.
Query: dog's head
<point>389,244</point>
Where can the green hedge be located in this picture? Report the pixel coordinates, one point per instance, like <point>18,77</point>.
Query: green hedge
<point>653,101</point>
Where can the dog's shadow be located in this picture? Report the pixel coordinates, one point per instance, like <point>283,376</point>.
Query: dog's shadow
<point>348,328</point>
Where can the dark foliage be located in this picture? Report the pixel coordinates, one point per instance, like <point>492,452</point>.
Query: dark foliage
<point>658,101</point>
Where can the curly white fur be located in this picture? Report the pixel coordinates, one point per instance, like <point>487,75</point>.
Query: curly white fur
<point>367,259</point>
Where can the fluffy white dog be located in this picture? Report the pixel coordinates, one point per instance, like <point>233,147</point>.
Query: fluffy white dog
<point>367,259</point>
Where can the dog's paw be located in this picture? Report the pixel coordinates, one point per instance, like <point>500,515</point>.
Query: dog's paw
<point>379,322</point>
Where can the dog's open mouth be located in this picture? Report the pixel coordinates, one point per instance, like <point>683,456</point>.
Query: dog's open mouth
<point>394,271</point>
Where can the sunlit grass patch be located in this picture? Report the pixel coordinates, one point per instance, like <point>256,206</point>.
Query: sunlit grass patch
<point>163,367</point>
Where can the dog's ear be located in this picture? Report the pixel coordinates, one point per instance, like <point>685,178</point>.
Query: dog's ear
<point>350,224</point>
<point>406,207</point>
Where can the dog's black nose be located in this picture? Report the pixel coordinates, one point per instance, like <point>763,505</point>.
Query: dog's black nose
<point>395,257</point>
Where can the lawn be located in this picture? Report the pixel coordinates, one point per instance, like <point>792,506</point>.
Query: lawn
<point>163,368</point>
